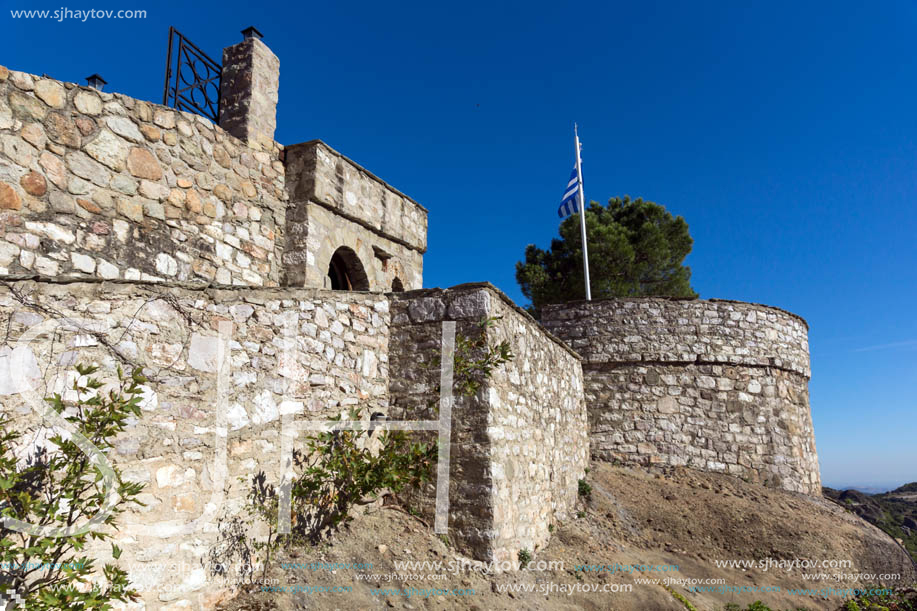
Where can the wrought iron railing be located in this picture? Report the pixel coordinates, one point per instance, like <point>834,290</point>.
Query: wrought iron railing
<point>192,78</point>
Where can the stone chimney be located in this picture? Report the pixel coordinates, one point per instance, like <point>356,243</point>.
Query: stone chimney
<point>248,91</point>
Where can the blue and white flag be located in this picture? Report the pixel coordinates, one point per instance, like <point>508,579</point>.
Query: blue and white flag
<point>570,202</point>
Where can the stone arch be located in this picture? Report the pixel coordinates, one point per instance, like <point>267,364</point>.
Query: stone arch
<point>397,285</point>
<point>346,271</point>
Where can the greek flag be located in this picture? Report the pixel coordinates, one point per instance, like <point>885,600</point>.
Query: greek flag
<point>570,203</point>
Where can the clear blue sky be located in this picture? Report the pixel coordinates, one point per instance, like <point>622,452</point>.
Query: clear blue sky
<point>784,132</point>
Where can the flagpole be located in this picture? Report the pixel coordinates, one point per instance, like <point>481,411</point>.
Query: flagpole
<point>582,215</point>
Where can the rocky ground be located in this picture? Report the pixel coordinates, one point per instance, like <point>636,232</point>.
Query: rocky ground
<point>682,518</point>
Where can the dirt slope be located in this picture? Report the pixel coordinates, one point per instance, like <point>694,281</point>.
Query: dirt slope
<point>684,518</point>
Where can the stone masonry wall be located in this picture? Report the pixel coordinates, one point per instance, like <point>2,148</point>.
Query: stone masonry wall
<point>539,432</point>
<point>249,84</point>
<point>334,203</point>
<point>519,446</point>
<point>714,385</point>
<point>300,354</point>
<point>100,185</point>
<point>323,232</point>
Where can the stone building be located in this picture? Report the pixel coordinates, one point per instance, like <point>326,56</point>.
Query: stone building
<point>116,188</point>
<point>260,284</point>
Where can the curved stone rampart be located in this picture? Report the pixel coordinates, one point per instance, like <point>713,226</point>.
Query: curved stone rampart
<point>714,385</point>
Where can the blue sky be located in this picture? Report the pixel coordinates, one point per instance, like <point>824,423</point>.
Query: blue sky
<point>785,133</point>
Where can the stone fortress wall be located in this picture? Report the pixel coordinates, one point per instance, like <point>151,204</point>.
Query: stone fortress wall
<point>229,371</point>
<point>520,445</point>
<point>135,234</point>
<point>100,185</point>
<point>713,385</point>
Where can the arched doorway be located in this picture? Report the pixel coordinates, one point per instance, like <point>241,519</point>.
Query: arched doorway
<point>397,286</point>
<point>345,272</point>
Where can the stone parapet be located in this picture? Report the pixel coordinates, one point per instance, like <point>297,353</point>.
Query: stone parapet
<point>318,173</point>
<point>100,185</point>
<point>682,331</point>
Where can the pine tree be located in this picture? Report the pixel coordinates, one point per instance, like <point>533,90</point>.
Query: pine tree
<point>636,249</point>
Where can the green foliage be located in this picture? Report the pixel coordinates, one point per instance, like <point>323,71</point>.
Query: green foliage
<point>894,512</point>
<point>897,599</point>
<point>680,598</point>
<point>475,359</point>
<point>60,487</point>
<point>636,248</point>
<point>585,490</point>
<point>525,556</point>
<point>336,471</point>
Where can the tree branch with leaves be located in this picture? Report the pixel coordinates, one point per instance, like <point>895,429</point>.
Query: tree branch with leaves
<point>60,487</point>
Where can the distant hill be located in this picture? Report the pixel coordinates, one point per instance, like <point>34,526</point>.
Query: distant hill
<point>895,511</point>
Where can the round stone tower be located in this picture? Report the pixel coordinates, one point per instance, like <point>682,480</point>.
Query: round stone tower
<point>713,385</point>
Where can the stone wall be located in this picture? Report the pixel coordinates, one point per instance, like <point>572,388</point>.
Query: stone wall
<point>100,185</point>
<point>520,445</point>
<point>302,354</point>
<point>538,429</point>
<point>228,366</point>
<point>335,203</point>
<point>714,385</point>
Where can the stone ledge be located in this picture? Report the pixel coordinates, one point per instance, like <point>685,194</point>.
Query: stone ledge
<point>318,174</point>
<point>359,167</point>
<point>595,365</point>
<point>578,302</point>
<point>208,288</point>
<point>473,286</point>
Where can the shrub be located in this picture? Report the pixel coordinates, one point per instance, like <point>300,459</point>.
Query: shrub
<point>475,359</point>
<point>337,474</point>
<point>680,598</point>
<point>61,487</point>
<point>585,490</point>
<point>525,556</point>
<point>337,471</point>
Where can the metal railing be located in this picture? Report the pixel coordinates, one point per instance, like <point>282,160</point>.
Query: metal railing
<point>192,78</point>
